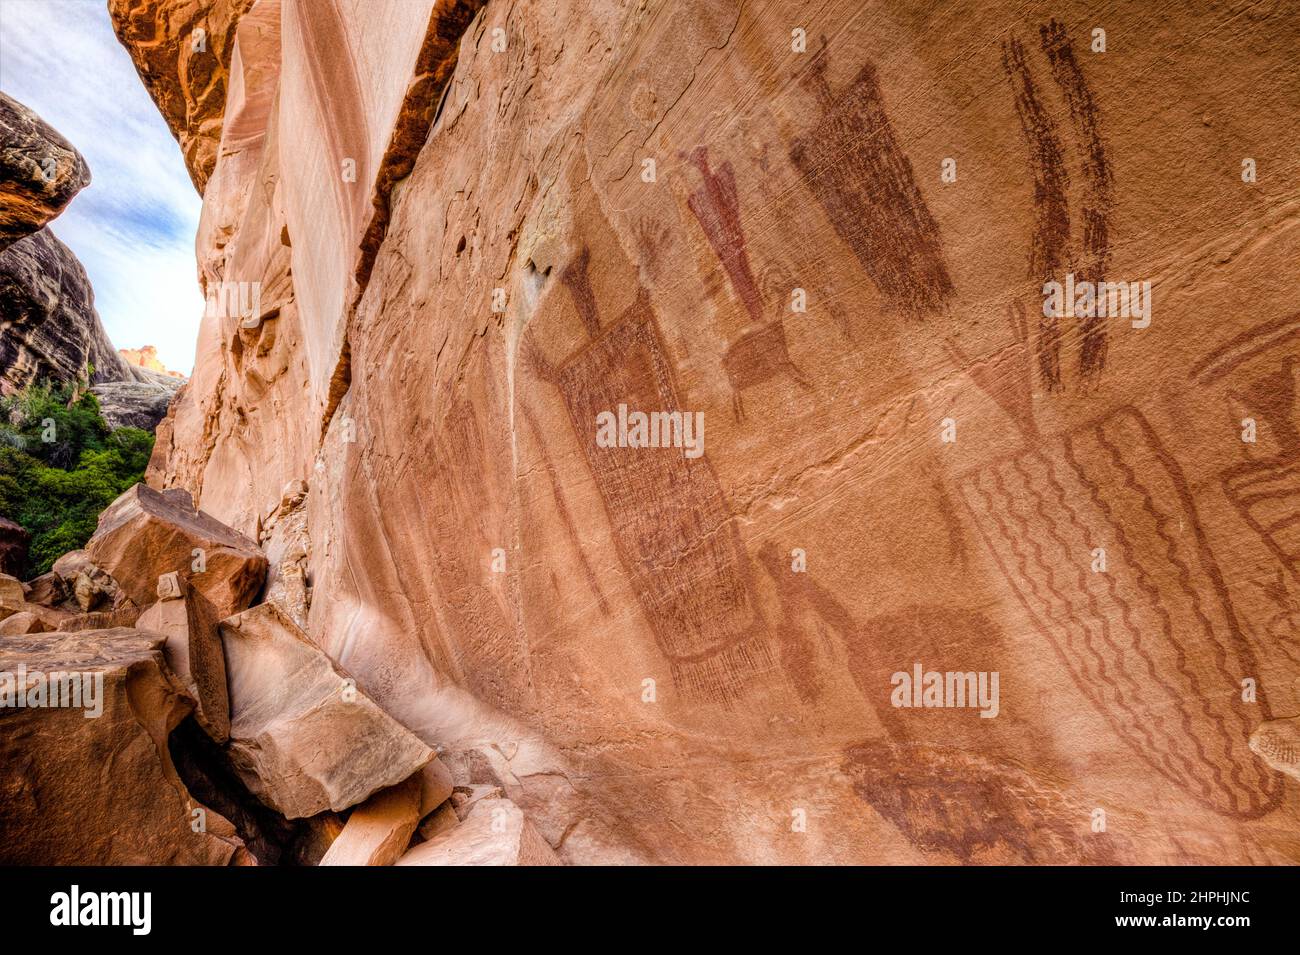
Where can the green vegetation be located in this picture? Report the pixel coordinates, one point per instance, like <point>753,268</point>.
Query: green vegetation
<point>60,466</point>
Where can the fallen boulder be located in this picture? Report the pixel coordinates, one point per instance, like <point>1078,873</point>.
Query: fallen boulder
<point>303,738</point>
<point>494,833</point>
<point>145,533</point>
<point>84,726</point>
<point>193,650</point>
<point>85,584</point>
<point>380,829</point>
<point>13,595</point>
<point>52,618</point>
<point>465,798</point>
<point>436,786</point>
<point>21,623</point>
<point>439,821</point>
<point>48,590</point>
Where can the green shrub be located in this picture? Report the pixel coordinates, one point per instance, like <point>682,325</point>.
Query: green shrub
<point>60,466</point>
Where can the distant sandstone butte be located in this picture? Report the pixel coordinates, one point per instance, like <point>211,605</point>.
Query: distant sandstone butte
<point>146,357</point>
<point>476,227</point>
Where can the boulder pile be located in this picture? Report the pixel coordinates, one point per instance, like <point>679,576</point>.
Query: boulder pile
<point>146,672</point>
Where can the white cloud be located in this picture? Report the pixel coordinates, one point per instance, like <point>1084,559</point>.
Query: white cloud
<point>133,227</point>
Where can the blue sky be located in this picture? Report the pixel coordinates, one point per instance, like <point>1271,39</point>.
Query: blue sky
<point>133,227</point>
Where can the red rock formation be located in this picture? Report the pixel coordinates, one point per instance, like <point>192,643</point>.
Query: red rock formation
<point>146,356</point>
<point>40,172</point>
<point>182,49</point>
<point>62,802</point>
<point>907,468</point>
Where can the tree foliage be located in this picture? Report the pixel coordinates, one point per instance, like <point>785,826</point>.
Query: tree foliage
<point>60,466</point>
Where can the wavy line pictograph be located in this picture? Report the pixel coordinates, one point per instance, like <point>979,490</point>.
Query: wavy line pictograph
<point>1152,642</point>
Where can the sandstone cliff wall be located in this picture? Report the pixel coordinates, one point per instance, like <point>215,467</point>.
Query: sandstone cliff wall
<point>48,324</point>
<point>474,230</point>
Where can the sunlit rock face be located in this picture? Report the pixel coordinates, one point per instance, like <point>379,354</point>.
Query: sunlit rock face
<point>830,235</point>
<point>181,49</point>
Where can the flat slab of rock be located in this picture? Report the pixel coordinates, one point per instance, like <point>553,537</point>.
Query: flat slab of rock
<point>494,833</point>
<point>147,533</point>
<point>193,651</point>
<point>302,737</point>
<point>380,829</point>
<point>20,623</point>
<point>90,781</point>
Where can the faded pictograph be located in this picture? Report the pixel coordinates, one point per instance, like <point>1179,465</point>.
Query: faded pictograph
<point>1259,369</point>
<point>1063,243</point>
<point>1088,535</point>
<point>857,171</point>
<point>1256,372</point>
<point>671,525</point>
<point>760,353</point>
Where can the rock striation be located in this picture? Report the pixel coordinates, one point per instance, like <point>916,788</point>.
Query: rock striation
<point>182,52</point>
<point>48,324</point>
<point>40,172</point>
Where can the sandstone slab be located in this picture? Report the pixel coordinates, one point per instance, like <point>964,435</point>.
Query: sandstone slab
<point>145,533</point>
<point>303,737</point>
<point>494,833</point>
<point>21,622</point>
<point>193,650</point>
<point>90,782</point>
<point>379,830</point>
